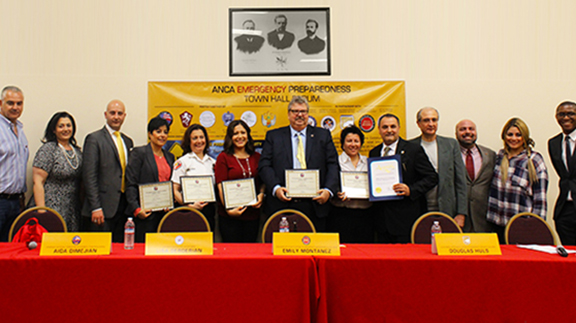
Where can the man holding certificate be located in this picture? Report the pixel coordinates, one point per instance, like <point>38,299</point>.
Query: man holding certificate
<point>394,218</point>
<point>288,150</point>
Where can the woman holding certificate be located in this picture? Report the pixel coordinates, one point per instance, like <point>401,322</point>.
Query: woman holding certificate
<point>196,162</point>
<point>350,217</point>
<point>148,164</point>
<point>239,160</point>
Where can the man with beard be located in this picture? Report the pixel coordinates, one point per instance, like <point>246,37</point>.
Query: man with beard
<point>311,44</point>
<point>479,162</point>
<point>280,38</point>
<point>250,42</point>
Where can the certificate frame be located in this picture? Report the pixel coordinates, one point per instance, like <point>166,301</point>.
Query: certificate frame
<point>146,189</point>
<point>231,185</point>
<point>197,180</point>
<point>353,192</point>
<point>312,174</point>
<point>375,166</point>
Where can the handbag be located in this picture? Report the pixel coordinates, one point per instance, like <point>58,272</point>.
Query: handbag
<point>30,231</point>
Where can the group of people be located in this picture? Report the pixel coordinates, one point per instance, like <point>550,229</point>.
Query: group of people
<point>479,188</point>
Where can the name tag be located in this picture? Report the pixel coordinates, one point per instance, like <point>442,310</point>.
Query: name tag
<point>76,244</point>
<point>467,244</point>
<point>305,244</point>
<point>179,244</point>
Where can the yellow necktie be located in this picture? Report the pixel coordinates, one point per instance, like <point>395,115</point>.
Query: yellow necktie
<point>300,155</point>
<point>386,151</point>
<point>122,155</point>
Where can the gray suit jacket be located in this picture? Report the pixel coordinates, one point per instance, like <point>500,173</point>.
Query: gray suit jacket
<point>478,190</point>
<point>452,197</point>
<point>102,172</point>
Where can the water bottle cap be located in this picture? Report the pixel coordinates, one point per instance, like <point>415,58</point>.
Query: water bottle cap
<point>436,222</point>
<point>129,218</point>
<point>283,218</point>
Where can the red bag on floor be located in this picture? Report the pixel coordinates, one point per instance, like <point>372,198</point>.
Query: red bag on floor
<point>30,231</point>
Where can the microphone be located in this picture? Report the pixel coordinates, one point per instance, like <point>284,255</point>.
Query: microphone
<point>561,251</point>
<point>32,245</point>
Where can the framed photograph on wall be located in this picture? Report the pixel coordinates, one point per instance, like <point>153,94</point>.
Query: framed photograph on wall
<point>279,41</point>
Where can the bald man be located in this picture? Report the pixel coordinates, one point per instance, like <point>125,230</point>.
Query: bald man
<point>105,158</point>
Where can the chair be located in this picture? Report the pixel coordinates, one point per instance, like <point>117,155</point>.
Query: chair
<point>421,228</point>
<point>184,219</point>
<point>528,228</point>
<point>294,217</point>
<point>51,220</point>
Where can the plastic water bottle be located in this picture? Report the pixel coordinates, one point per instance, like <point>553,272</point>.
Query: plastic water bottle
<point>434,230</point>
<point>284,226</point>
<point>129,230</point>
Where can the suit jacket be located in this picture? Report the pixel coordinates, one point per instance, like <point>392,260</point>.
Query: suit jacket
<point>142,169</point>
<point>102,172</point>
<point>452,195</point>
<point>478,190</point>
<point>420,176</point>
<point>567,181</point>
<point>311,46</point>
<point>275,41</point>
<point>249,43</point>
<point>277,157</point>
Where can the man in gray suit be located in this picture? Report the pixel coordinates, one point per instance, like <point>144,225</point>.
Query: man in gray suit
<point>105,158</point>
<point>444,154</point>
<point>479,162</point>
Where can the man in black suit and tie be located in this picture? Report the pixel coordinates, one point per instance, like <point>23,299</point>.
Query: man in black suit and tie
<point>311,44</point>
<point>280,38</point>
<point>561,150</point>
<point>299,146</point>
<point>105,158</point>
<point>250,42</point>
<point>394,218</point>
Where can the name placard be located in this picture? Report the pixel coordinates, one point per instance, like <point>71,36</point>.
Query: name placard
<point>76,244</point>
<point>306,244</point>
<point>179,244</point>
<point>467,244</point>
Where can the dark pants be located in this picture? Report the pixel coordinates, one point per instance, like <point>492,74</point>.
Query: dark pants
<point>115,224</point>
<point>566,224</point>
<point>353,225</point>
<point>235,230</point>
<point>148,225</point>
<point>9,210</point>
<point>500,231</point>
<point>209,212</point>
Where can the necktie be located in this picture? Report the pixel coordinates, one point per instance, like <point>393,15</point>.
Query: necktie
<point>300,155</point>
<point>568,152</point>
<point>386,151</point>
<point>470,164</point>
<point>122,155</point>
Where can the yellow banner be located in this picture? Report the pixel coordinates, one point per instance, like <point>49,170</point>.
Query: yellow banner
<point>467,244</point>
<point>180,243</point>
<point>305,244</point>
<point>264,106</point>
<point>76,244</point>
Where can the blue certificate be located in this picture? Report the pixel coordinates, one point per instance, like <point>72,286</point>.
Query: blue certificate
<point>383,173</point>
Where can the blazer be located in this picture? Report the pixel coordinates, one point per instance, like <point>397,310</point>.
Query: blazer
<point>275,41</point>
<point>277,157</point>
<point>420,176</point>
<point>142,169</point>
<point>102,172</point>
<point>478,190</point>
<point>567,181</point>
<point>452,195</point>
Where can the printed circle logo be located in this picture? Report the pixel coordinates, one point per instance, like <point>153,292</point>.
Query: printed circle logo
<point>250,118</point>
<point>76,240</point>
<point>306,240</point>
<point>227,118</point>
<point>179,240</point>
<point>166,116</point>
<point>466,240</point>
<point>207,119</point>
<point>312,121</point>
<point>366,123</point>
<point>328,123</point>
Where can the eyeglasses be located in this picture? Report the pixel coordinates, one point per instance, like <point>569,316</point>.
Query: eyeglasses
<point>566,114</point>
<point>297,112</point>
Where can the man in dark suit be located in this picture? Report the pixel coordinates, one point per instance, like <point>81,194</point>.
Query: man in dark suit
<point>394,218</point>
<point>299,146</point>
<point>311,44</point>
<point>561,150</point>
<point>105,158</point>
<point>250,42</point>
<point>479,162</point>
<point>280,38</point>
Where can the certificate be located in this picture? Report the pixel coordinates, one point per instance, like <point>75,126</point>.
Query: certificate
<point>156,196</point>
<point>302,182</point>
<point>355,184</point>
<point>383,173</point>
<point>239,192</point>
<point>197,189</point>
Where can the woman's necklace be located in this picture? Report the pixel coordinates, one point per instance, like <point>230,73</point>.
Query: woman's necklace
<point>70,156</point>
<point>244,170</point>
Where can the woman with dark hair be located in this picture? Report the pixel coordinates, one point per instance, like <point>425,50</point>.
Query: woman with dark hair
<point>195,161</point>
<point>520,178</point>
<point>238,160</point>
<point>148,164</point>
<point>350,217</point>
<point>57,170</point>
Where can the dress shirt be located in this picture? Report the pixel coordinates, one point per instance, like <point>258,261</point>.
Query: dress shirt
<point>294,136</point>
<point>572,136</point>
<point>476,156</point>
<point>392,148</point>
<point>191,164</point>
<point>13,157</point>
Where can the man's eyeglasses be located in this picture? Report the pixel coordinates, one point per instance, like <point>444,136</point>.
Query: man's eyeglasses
<point>297,112</point>
<point>566,114</point>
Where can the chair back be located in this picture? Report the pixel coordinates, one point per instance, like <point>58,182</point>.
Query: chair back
<point>297,220</point>
<point>48,218</point>
<point>422,226</point>
<point>184,219</point>
<point>528,228</point>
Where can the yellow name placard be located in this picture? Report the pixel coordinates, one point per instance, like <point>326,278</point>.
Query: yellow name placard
<point>76,244</point>
<point>179,244</point>
<point>468,244</point>
<point>306,244</point>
